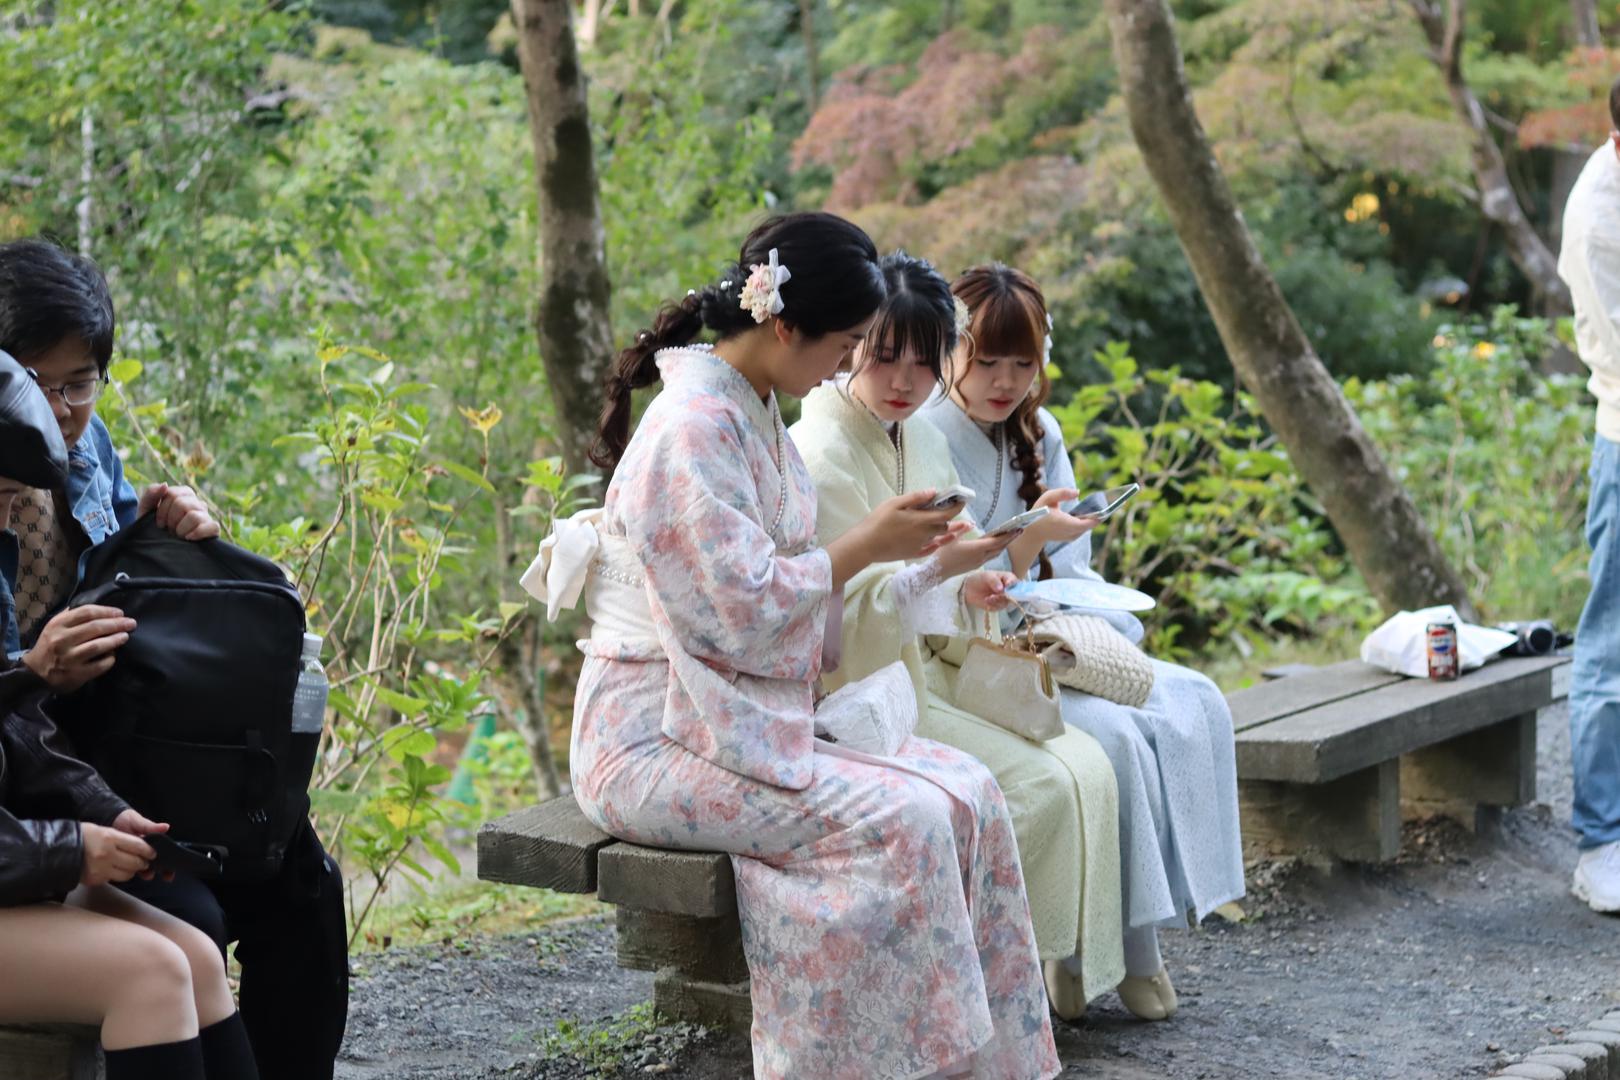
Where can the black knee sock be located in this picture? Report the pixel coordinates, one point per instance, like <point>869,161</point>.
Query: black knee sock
<point>226,1054</point>
<point>165,1061</point>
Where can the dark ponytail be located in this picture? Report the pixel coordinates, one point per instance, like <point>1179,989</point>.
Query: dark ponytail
<point>1009,318</point>
<point>836,284</point>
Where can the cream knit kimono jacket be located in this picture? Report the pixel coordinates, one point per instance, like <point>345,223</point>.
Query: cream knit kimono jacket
<point>1062,793</point>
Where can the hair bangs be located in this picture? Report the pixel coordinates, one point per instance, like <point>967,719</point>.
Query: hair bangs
<point>1009,324</point>
<point>908,323</point>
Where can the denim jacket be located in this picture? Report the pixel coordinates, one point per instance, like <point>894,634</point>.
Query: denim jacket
<point>101,501</point>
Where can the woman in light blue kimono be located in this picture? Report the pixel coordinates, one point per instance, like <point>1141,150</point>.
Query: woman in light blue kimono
<point>1180,850</point>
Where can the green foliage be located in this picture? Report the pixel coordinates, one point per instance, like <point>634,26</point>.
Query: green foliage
<point>1495,453</point>
<point>1492,451</point>
<point>603,1049</point>
<point>1222,533</point>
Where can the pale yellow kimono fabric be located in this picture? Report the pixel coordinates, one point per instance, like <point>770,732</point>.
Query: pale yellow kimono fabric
<point>1062,793</point>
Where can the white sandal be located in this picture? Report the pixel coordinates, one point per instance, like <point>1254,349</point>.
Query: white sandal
<point>1149,997</point>
<point>1064,990</point>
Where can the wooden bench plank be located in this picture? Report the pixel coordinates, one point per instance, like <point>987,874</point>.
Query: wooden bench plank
<point>549,846</point>
<point>677,882</point>
<point>1357,732</point>
<point>50,1052</point>
<point>703,950</point>
<point>1274,700</point>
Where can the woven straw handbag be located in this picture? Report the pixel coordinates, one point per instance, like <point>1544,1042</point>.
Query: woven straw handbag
<point>1086,653</point>
<point>1008,683</point>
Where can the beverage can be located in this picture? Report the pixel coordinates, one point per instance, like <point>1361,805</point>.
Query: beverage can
<point>1440,640</point>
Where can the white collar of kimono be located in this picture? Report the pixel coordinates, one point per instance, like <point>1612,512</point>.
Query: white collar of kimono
<point>872,434</point>
<point>942,401</point>
<point>700,363</point>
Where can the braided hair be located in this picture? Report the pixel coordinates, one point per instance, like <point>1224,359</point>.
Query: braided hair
<point>836,283</point>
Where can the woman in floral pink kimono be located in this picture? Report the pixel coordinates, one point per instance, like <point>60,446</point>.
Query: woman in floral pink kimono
<point>882,904</point>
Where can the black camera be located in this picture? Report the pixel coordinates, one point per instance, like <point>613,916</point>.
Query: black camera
<point>1538,637</point>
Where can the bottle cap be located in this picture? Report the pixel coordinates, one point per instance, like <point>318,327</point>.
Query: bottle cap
<point>312,645</point>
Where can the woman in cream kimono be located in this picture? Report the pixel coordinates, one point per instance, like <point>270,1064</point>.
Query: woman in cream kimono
<point>863,446</point>
<point>1180,849</point>
<point>882,904</point>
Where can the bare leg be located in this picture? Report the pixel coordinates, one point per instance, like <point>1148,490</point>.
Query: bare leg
<point>87,968</point>
<point>211,992</point>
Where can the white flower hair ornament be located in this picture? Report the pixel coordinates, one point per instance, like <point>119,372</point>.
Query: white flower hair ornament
<point>1046,346</point>
<point>963,316</point>
<point>762,292</point>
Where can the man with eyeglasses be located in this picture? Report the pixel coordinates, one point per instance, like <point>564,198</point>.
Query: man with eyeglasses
<point>56,318</point>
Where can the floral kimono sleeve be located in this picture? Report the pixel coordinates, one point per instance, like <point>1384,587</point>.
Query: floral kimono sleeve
<point>693,515</point>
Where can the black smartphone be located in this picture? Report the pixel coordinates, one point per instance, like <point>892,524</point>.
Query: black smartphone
<point>202,860</point>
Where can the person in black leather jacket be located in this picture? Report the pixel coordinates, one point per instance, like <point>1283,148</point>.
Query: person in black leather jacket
<point>72,947</point>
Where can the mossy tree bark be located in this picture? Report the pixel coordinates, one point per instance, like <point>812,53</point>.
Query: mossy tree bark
<point>1385,535</point>
<point>572,317</point>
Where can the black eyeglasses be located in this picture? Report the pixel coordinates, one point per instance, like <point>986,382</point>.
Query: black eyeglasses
<point>76,393</point>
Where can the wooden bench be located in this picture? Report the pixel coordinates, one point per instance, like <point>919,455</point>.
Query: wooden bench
<point>677,910</point>
<point>50,1052</point>
<point>1329,759</point>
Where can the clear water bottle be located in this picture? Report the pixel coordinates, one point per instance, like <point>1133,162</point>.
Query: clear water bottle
<point>309,699</point>
<point>309,709</point>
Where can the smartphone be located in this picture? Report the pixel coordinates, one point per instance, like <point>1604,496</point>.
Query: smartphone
<point>1020,521</point>
<point>955,495</point>
<point>1102,504</point>
<point>202,860</point>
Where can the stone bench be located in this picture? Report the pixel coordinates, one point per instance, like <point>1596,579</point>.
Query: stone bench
<point>1330,759</point>
<point>50,1052</point>
<point>676,910</point>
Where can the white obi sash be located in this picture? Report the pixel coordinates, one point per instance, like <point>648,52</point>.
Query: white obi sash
<point>577,554</point>
<point>872,716</point>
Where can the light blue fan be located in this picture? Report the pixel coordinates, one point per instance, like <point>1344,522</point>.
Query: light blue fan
<point>1080,593</point>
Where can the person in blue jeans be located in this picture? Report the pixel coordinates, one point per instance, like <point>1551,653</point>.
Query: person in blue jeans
<point>57,319</point>
<point>1590,264</point>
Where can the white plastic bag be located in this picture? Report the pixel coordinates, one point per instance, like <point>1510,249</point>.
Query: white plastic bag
<point>1399,644</point>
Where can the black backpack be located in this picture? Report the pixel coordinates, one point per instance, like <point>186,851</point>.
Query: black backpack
<point>193,724</point>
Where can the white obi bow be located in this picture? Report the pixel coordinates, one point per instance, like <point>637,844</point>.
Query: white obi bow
<point>558,573</point>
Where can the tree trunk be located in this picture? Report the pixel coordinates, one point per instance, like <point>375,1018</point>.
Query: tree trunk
<point>1497,199</point>
<point>522,658</point>
<point>1381,527</point>
<point>572,319</point>
<point>1587,33</point>
<point>812,55</point>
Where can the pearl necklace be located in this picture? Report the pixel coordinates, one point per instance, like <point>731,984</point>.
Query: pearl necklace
<point>781,465</point>
<point>1001,470</point>
<point>899,440</point>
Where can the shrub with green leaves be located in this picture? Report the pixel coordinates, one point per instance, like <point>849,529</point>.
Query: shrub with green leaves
<point>1223,532</point>
<point>1495,453</point>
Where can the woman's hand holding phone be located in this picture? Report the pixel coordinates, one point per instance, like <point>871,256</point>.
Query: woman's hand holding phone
<point>110,854</point>
<point>1056,527</point>
<point>896,530</point>
<point>963,555</point>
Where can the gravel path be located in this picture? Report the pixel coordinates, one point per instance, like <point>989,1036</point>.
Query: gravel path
<point>1467,950</point>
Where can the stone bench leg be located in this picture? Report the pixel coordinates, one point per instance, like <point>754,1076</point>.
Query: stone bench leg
<point>1356,817</point>
<point>50,1052</point>
<point>702,975</point>
<point>1491,767</point>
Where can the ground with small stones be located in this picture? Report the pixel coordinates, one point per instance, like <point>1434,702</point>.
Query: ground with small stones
<point>1454,962</point>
